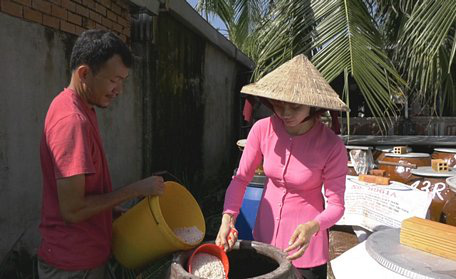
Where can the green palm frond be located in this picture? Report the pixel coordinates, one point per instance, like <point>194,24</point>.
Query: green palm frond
<point>346,94</point>
<point>240,16</point>
<point>369,38</point>
<point>427,52</point>
<point>283,34</point>
<point>390,18</point>
<point>453,51</point>
<point>404,7</point>
<point>447,96</point>
<point>222,8</point>
<point>341,35</point>
<point>247,15</point>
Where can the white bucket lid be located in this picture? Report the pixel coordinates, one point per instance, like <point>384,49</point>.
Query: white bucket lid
<point>451,181</point>
<point>349,164</point>
<point>408,155</point>
<point>241,142</point>
<point>387,149</point>
<point>445,150</point>
<point>429,172</point>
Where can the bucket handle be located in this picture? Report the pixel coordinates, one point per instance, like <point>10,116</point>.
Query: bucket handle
<point>165,172</point>
<point>161,173</point>
<point>151,211</point>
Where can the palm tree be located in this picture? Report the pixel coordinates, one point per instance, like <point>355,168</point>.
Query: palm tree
<point>392,49</point>
<point>426,49</point>
<point>239,16</point>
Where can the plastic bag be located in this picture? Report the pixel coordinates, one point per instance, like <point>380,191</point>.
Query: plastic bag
<point>362,160</point>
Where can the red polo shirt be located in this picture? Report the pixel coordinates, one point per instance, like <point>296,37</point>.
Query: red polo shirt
<point>71,145</point>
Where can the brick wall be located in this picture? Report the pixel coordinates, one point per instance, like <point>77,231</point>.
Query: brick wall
<point>73,16</point>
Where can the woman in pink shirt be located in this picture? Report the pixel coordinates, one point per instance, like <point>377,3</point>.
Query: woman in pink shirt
<point>302,159</point>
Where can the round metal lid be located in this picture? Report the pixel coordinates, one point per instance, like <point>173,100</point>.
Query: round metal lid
<point>408,155</point>
<point>429,172</point>
<point>451,181</point>
<point>384,246</point>
<point>388,149</point>
<point>241,142</point>
<point>445,150</point>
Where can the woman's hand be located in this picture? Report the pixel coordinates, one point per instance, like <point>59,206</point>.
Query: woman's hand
<point>227,234</point>
<point>301,238</point>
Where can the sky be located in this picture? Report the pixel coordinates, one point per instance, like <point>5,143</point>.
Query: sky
<point>213,20</point>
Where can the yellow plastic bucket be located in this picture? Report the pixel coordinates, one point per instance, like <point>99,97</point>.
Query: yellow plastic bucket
<point>146,231</point>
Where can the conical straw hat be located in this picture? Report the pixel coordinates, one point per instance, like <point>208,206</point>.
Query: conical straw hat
<point>297,81</point>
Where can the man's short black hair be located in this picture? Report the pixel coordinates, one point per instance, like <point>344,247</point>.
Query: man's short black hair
<point>95,47</point>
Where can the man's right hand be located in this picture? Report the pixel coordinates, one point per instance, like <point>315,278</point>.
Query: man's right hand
<point>151,186</point>
<point>76,206</point>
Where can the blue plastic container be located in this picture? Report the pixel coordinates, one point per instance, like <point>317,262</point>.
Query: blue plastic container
<point>245,221</point>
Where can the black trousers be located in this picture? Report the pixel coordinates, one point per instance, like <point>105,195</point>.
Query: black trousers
<point>317,272</point>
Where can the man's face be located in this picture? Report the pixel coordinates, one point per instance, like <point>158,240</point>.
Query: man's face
<point>107,83</point>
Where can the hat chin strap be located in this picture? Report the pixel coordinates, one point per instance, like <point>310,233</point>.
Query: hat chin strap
<point>315,114</point>
<point>335,126</point>
<point>265,102</point>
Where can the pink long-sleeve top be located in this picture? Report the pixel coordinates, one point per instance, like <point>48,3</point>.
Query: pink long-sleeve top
<point>296,167</point>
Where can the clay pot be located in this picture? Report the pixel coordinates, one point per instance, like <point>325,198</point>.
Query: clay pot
<point>426,179</point>
<point>380,152</point>
<point>248,259</point>
<point>403,172</point>
<point>449,209</point>
<point>446,154</point>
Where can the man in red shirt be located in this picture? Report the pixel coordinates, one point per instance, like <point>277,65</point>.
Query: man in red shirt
<point>76,217</point>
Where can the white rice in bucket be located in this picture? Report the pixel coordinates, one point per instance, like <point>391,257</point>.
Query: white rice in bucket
<point>189,235</point>
<point>207,266</point>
